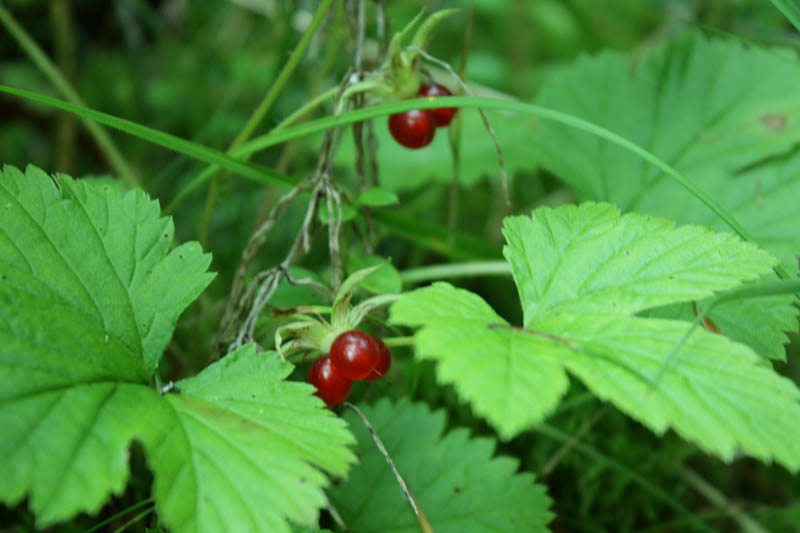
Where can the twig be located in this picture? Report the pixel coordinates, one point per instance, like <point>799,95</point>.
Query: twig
<point>337,518</point>
<point>412,501</point>
<point>745,521</point>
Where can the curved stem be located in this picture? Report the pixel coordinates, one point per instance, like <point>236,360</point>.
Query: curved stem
<point>455,270</point>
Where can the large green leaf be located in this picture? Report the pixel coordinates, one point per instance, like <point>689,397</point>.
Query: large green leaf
<point>100,253</point>
<point>238,451</point>
<point>456,481</point>
<point>582,273</point>
<point>714,392</point>
<point>709,108</point>
<point>591,259</point>
<point>88,299</point>
<point>512,378</point>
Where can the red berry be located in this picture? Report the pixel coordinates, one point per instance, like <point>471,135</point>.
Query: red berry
<point>384,361</point>
<point>413,129</point>
<point>354,354</point>
<point>331,386</point>
<point>442,116</point>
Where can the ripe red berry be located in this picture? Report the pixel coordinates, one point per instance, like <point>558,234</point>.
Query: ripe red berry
<point>331,386</point>
<point>442,116</point>
<point>354,354</point>
<point>384,361</point>
<point>413,129</point>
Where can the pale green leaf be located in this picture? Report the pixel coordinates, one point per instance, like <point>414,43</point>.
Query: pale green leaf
<point>714,392</point>
<point>75,366</point>
<point>457,482</point>
<point>239,451</point>
<point>103,254</point>
<point>757,322</point>
<point>511,378</point>
<point>707,107</point>
<point>385,280</point>
<point>377,197</point>
<point>588,258</point>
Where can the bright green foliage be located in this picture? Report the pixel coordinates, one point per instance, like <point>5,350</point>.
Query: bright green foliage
<point>709,108</point>
<point>377,197</point>
<point>582,273</point>
<point>714,392</point>
<point>757,322</point>
<point>456,481</point>
<point>591,259</point>
<point>512,378</point>
<point>102,254</point>
<point>235,449</point>
<point>88,299</point>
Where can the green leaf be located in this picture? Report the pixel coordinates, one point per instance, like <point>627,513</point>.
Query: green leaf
<point>707,123</point>
<point>457,482</point>
<point>582,272</point>
<point>377,197</point>
<point>714,392</point>
<point>88,298</point>
<point>595,268</point>
<point>511,378</point>
<point>591,259</point>
<point>385,280</point>
<point>757,322</point>
<point>101,255</point>
<point>237,450</point>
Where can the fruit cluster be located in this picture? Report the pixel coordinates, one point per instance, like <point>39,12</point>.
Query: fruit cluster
<point>416,128</point>
<point>353,355</point>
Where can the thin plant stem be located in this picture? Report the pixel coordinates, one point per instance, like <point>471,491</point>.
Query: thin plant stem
<point>746,522</point>
<point>261,112</point>
<point>62,85</point>
<point>130,509</point>
<point>414,276</point>
<point>412,501</point>
<point>135,519</point>
<point>64,36</point>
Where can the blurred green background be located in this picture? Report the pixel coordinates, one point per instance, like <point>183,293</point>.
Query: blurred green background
<point>198,69</point>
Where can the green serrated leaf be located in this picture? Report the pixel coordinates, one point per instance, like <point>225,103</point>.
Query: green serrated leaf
<point>707,123</point>
<point>457,482</point>
<point>588,258</point>
<point>511,378</point>
<point>377,197</point>
<point>757,322</point>
<point>75,363</point>
<point>714,392</point>
<point>100,253</point>
<point>238,450</point>
<point>594,269</point>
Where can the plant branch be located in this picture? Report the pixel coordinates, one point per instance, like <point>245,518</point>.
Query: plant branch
<point>412,501</point>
